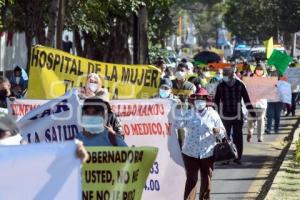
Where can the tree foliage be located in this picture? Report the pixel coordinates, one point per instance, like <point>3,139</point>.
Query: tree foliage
<point>251,19</point>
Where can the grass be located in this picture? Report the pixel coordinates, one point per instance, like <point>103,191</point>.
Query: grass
<point>287,184</point>
<point>297,152</point>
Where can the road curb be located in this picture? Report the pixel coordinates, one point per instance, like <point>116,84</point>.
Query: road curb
<point>282,169</point>
<point>266,188</point>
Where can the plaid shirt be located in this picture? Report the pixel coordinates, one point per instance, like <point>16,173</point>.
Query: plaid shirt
<point>229,100</point>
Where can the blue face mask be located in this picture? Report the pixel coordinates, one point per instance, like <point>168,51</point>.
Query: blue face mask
<point>164,93</point>
<point>93,124</point>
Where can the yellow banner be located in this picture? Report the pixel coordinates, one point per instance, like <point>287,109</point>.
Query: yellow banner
<point>118,173</point>
<point>54,72</point>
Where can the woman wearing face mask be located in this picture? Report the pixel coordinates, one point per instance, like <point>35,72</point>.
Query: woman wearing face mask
<point>93,120</point>
<point>93,87</point>
<point>259,71</point>
<point>260,110</point>
<point>198,146</point>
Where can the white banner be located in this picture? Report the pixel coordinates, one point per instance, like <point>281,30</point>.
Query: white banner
<point>43,171</point>
<point>55,121</point>
<point>146,122</point>
<point>18,108</point>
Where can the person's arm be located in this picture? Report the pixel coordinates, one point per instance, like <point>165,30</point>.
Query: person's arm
<point>116,127</point>
<point>218,98</point>
<point>247,101</point>
<point>219,129</point>
<point>81,152</point>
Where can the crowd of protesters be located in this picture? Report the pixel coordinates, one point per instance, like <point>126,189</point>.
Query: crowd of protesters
<point>220,105</point>
<point>212,103</point>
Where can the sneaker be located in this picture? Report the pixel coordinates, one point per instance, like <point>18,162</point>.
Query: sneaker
<point>267,131</point>
<point>259,140</point>
<point>249,138</point>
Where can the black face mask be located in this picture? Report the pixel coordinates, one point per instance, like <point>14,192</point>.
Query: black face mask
<point>3,93</point>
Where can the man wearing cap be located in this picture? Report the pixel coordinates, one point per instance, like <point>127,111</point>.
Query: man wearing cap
<point>229,95</point>
<point>165,89</point>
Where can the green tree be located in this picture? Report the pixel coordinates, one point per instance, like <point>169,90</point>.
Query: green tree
<point>261,19</point>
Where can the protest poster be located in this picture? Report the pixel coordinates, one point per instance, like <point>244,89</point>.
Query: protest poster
<point>18,108</point>
<point>54,72</point>
<point>261,88</point>
<point>55,121</point>
<point>144,122</point>
<point>117,172</point>
<point>151,123</point>
<point>43,171</point>
<point>285,91</point>
<point>293,75</point>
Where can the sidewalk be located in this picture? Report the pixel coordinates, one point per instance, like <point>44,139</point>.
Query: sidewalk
<point>252,179</point>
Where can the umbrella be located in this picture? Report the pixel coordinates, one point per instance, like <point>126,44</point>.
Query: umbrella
<point>207,57</point>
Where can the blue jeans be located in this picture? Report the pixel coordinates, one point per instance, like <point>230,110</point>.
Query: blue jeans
<point>273,112</point>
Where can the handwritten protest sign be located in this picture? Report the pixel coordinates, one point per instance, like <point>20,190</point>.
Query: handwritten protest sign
<point>53,72</point>
<point>117,173</point>
<point>144,123</point>
<point>261,88</point>
<point>43,171</point>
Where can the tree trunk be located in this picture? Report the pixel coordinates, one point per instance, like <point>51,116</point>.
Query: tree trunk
<point>60,24</point>
<point>52,23</point>
<point>141,38</point>
<point>77,42</point>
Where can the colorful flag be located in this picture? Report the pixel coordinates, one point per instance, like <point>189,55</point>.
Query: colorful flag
<point>280,60</point>
<point>269,47</point>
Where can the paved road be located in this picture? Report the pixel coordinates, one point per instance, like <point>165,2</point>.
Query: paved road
<point>245,181</point>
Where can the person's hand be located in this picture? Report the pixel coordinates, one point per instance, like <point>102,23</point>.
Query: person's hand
<point>18,88</point>
<point>110,129</point>
<point>216,131</point>
<point>81,152</point>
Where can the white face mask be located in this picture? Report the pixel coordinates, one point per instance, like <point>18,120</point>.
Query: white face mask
<point>93,124</point>
<point>180,75</point>
<point>18,79</point>
<point>200,104</point>
<point>93,86</point>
